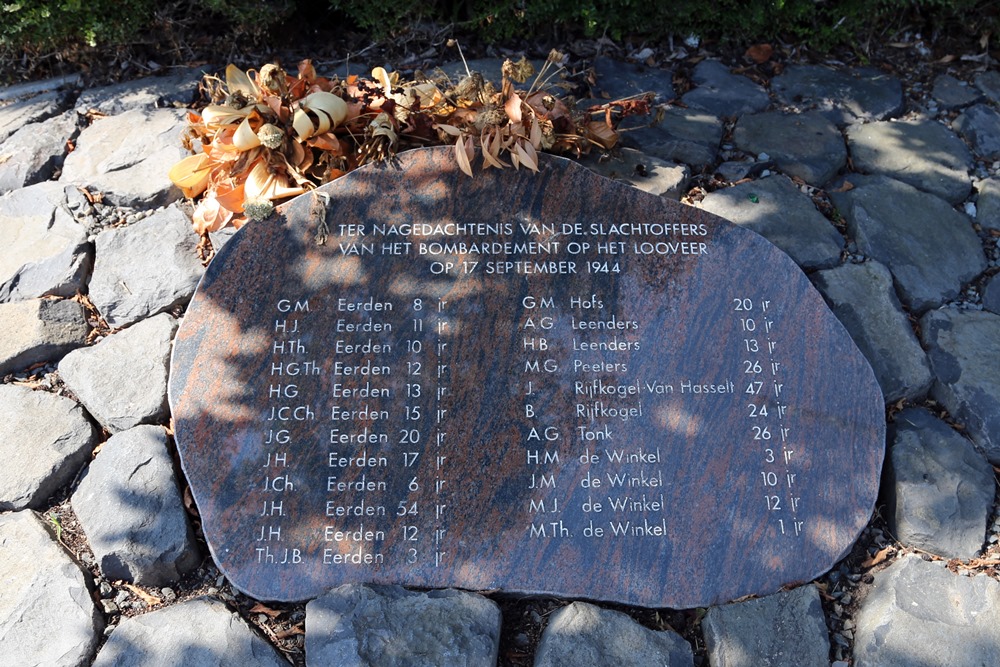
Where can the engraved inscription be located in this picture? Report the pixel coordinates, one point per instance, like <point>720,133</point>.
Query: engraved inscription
<point>601,395</point>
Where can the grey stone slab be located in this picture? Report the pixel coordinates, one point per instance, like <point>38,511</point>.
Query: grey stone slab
<point>39,330</point>
<point>805,145</point>
<point>989,83</point>
<point>929,247</point>
<point>722,93</point>
<point>145,268</point>
<point>787,629</point>
<point>919,613</point>
<point>197,633</point>
<point>862,298</point>
<point>122,381</point>
<point>33,153</point>
<point>617,80</point>
<point>35,89</point>
<point>736,170</point>
<point>45,251</point>
<point>980,126</point>
<point>388,626</point>
<point>988,203</point>
<point>952,93</point>
<point>940,488</point>
<point>229,357</point>
<point>687,136</point>
<point>964,351</point>
<point>647,173</point>
<point>583,635</point>
<point>843,95</point>
<point>47,616</point>
<point>131,510</point>
<point>922,153</point>
<point>45,439</point>
<point>17,114</point>
<point>178,89</point>
<point>991,295</point>
<point>777,210</point>
<point>127,157</point>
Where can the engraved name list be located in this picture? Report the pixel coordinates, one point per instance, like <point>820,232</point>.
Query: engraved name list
<point>606,397</point>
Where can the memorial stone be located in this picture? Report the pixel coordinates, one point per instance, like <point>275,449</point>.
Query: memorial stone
<point>540,383</point>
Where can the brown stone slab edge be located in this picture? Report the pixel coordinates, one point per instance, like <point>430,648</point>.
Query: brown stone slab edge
<point>698,427</point>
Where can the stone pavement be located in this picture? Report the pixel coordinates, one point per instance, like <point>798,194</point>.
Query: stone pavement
<point>889,199</point>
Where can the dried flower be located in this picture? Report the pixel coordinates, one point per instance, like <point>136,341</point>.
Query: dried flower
<point>267,136</point>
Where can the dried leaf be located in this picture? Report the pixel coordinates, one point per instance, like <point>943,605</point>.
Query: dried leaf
<point>150,600</point>
<point>307,71</point>
<point>261,609</point>
<point>325,142</point>
<point>535,134</point>
<point>191,174</point>
<point>877,558</point>
<point>450,130</point>
<point>294,630</point>
<point>464,154</point>
<point>230,198</point>
<point>760,53</point>
<point>491,151</point>
<point>245,137</point>
<point>601,134</point>
<point>380,75</point>
<point>526,153</point>
<point>847,185</point>
<point>218,115</point>
<point>261,183</point>
<point>210,216</point>
<point>328,109</point>
<point>238,81</point>
<point>189,505</point>
<point>513,108</point>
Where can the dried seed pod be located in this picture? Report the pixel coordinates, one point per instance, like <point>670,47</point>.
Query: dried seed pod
<point>272,79</point>
<point>270,136</point>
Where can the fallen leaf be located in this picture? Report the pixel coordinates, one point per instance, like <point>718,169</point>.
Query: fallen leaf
<point>526,154</point>
<point>845,187</point>
<point>191,174</point>
<point>760,53</point>
<point>877,558</point>
<point>150,600</point>
<point>188,501</point>
<point>239,81</point>
<point>261,609</point>
<point>464,154</point>
<point>513,108</point>
<point>210,216</point>
<point>601,134</point>
<point>294,630</point>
